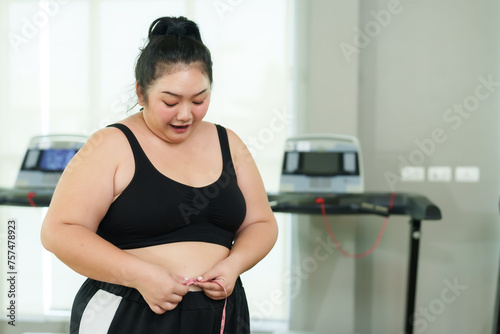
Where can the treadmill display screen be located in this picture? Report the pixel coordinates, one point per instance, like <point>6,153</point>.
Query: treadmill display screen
<point>56,160</point>
<point>321,163</point>
<point>314,163</point>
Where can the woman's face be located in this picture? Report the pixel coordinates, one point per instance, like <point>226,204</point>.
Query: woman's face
<point>176,103</point>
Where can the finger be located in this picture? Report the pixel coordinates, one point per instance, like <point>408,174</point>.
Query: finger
<point>208,276</point>
<point>215,291</point>
<point>180,290</point>
<point>215,295</point>
<point>169,306</point>
<point>174,299</point>
<point>157,309</point>
<point>209,286</point>
<point>180,279</point>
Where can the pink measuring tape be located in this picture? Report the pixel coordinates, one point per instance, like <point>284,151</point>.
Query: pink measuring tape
<point>192,281</point>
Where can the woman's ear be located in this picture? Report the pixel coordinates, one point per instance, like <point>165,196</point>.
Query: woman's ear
<point>140,94</point>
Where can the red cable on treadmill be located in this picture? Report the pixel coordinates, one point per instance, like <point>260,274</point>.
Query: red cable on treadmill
<point>321,201</point>
<point>30,197</point>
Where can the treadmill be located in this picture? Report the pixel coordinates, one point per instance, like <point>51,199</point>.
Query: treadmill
<point>44,161</point>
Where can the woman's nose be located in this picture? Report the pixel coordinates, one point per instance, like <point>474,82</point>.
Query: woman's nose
<point>184,113</point>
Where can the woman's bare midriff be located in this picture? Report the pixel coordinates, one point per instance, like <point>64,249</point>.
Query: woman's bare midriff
<point>186,259</point>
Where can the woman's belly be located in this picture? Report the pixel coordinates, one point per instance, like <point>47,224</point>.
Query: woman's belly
<point>186,259</point>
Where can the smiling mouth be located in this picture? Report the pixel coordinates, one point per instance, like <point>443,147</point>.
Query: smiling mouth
<point>179,126</point>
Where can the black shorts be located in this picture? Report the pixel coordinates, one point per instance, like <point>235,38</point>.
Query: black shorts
<point>109,308</point>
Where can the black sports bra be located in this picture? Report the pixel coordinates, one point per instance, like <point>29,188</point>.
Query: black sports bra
<point>154,209</point>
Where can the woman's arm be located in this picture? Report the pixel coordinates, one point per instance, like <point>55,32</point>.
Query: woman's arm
<point>256,236</point>
<point>83,195</point>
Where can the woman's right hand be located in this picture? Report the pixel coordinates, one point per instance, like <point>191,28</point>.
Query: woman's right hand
<point>161,289</point>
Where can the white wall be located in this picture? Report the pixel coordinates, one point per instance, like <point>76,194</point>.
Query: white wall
<point>406,77</point>
<point>327,99</point>
<point>332,84</point>
<point>415,72</point>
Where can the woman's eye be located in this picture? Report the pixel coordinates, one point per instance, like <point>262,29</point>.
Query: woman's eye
<point>170,105</point>
<point>198,102</point>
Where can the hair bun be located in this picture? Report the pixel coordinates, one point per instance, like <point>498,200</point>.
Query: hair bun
<point>176,30</point>
<point>174,26</point>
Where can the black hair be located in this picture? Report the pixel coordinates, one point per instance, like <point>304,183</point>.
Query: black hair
<point>173,42</point>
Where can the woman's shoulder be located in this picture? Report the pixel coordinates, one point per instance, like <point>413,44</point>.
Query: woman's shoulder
<point>237,146</point>
<point>115,133</point>
<point>105,137</point>
<point>232,136</point>
<point>106,143</point>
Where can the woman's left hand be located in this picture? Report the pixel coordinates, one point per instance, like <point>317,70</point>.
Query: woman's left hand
<point>221,273</point>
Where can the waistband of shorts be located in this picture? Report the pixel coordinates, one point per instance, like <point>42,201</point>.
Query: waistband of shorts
<point>134,295</point>
<point>119,290</point>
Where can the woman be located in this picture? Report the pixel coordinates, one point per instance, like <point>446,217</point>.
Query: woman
<point>163,211</point>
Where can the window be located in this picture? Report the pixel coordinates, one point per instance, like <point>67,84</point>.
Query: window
<point>69,69</point>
